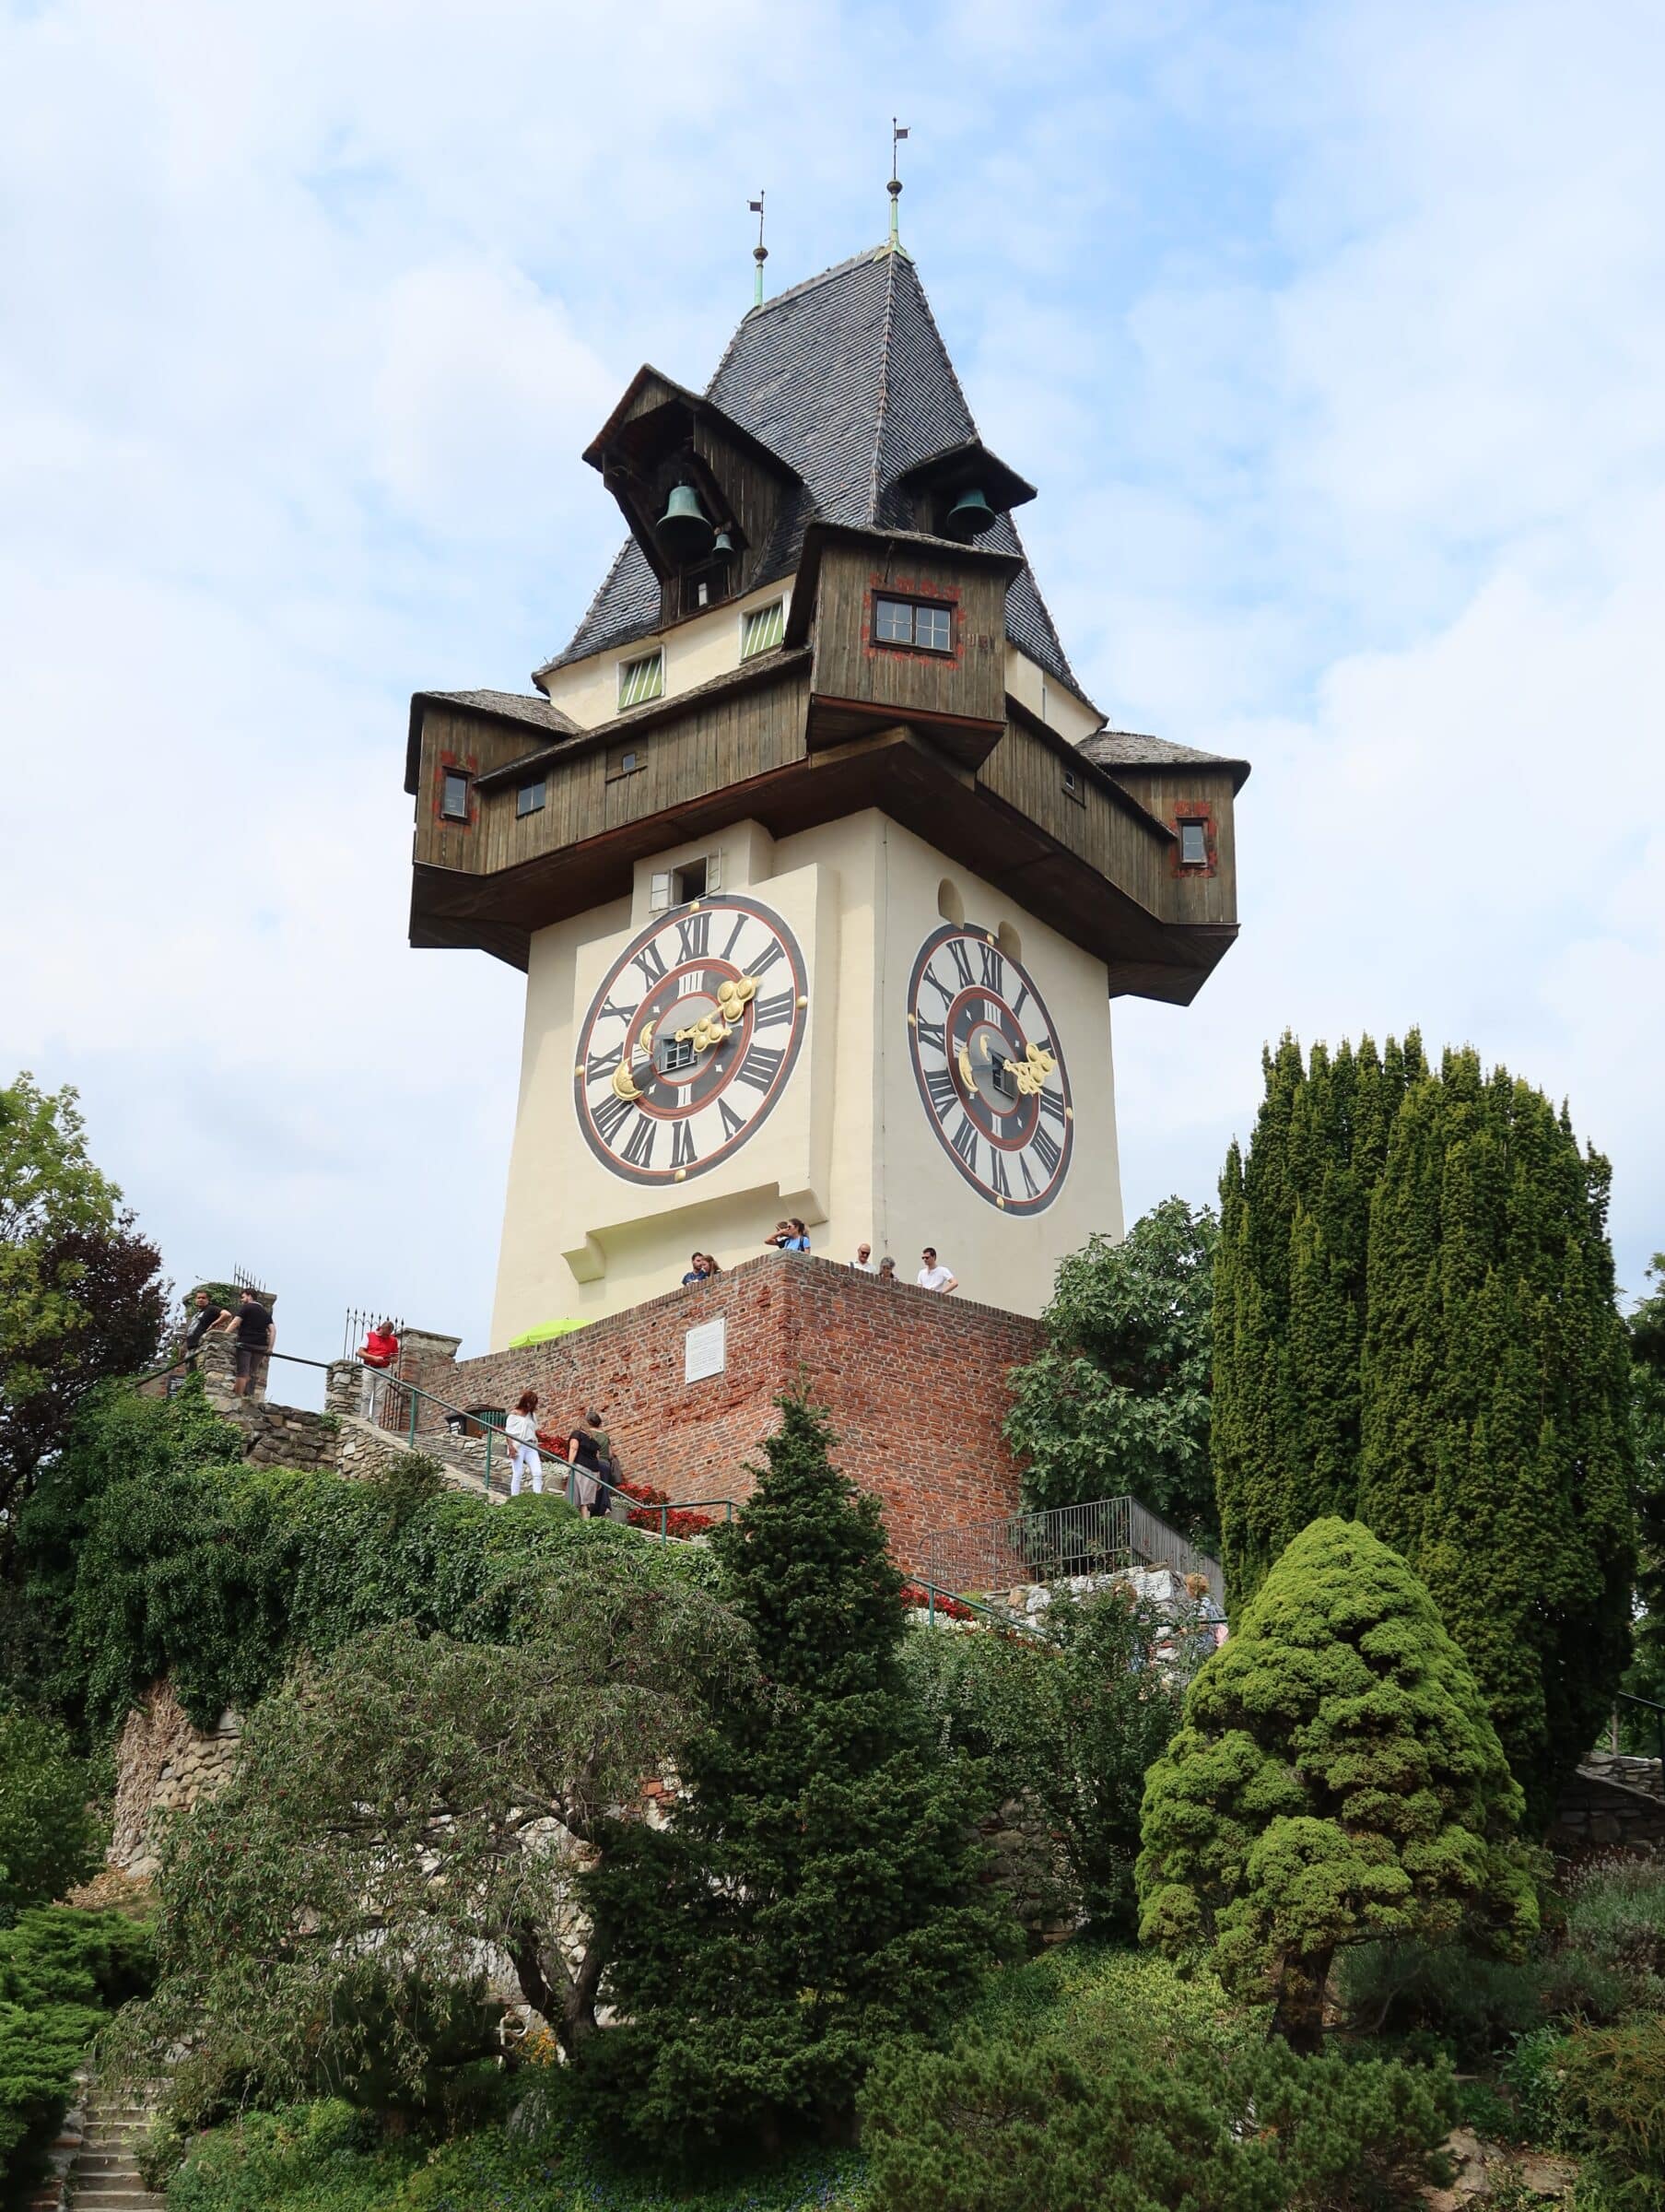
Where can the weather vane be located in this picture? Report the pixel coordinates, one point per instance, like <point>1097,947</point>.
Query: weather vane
<point>897,132</point>
<point>759,252</point>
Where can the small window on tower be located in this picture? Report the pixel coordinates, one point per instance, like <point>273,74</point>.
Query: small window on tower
<point>1193,844</point>
<point>454,795</point>
<point>530,798</point>
<point>916,623</point>
<point>691,881</point>
<point>640,680</point>
<point>762,630</point>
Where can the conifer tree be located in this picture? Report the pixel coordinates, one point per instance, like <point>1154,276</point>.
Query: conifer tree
<point>1336,1778</point>
<point>817,1892</point>
<point>1414,1325</point>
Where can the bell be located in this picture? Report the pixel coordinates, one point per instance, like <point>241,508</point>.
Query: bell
<point>723,549</point>
<point>970,514</point>
<point>684,530</point>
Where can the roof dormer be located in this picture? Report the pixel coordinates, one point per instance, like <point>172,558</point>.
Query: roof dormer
<point>700,495</point>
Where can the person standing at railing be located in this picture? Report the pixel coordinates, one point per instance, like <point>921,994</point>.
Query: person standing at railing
<point>377,1355</point>
<point>585,1457</point>
<point>523,1454</point>
<point>256,1334</point>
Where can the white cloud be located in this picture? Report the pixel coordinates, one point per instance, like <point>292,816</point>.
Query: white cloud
<point>1333,338</point>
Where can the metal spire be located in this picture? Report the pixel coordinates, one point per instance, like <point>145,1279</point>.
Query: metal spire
<point>897,132</point>
<point>759,252</point>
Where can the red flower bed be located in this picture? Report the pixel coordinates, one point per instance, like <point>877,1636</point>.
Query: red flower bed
<point>680,1523</point>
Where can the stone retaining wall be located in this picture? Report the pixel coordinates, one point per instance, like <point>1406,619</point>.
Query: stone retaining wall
<point>164,1765</point>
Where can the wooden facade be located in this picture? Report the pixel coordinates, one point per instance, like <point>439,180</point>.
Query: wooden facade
<point>816,731</point>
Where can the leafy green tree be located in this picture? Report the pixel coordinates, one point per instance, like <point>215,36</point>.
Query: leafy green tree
<point>79,1294</point>
<point>1118,1399</point>
<point>1646,1677</point>
<point>48,1837</point>
<point>1058,2123</point>
<point>1066,1726</point>
<point>817,1892</point>
<point>1416,1328</point>
<point>410,1801</point>
<point>1337,1778</point>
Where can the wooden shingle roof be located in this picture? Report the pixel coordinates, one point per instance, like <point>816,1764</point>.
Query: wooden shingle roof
<point>846,380</point>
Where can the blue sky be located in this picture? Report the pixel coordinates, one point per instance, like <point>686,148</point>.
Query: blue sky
<point>1334,337</point>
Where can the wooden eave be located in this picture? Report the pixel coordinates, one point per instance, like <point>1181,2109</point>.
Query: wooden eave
<point>751,676</point>
<point>896,769</point>
<point>970,462</point>
<point>422,700</point>
<point>1070,753</point>
<point>820,535</point>
<point>702,409</point>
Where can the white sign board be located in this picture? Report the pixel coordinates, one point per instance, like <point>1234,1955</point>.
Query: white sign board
<point>705,1351</point>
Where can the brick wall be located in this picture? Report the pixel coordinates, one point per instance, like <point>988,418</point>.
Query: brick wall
<point>915,1385</point>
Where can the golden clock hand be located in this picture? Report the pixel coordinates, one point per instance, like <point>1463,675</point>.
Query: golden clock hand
<point>967,1078</point>
<point>624,1084</point>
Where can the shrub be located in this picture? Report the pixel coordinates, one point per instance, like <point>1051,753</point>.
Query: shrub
<point>1068,1728</point>
<point>1534,2075</point>
<point>1615,1912</point>
<point>59,1970</point>
<point>48,1837</point>
<point>1613,2101</point>
<point>1337,1779</point>
<point>1474,2005</point>
<point>1051,2124</point>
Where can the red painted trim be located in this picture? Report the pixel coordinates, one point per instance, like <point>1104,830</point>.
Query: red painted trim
<point>1194,810</point>
<point>469,763</point>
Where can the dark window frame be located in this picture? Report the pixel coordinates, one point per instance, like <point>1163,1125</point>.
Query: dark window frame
<point>914,602</point>
<point>525,802</point>
<point>1198,824</point>
<point>447,813</point>
<point>683,893</point>
<point>1072,786</point>
<point>627,761</point>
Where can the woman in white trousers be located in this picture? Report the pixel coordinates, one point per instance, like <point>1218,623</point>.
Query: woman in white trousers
<point>524,1457</point>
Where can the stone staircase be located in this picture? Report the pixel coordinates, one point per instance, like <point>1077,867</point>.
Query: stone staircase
<point>105,2171</point>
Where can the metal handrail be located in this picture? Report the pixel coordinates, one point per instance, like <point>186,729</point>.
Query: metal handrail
<point>1099,1535</point>
<point>1628,1697</point>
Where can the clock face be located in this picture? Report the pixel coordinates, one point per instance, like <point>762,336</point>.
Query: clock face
<point>990,1070</point>
<point>690,1040</point>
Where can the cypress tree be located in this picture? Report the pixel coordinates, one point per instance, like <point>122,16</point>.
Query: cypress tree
<point>1419,1330</point>
<point>817,1892</point>
<point>1495,1450</point>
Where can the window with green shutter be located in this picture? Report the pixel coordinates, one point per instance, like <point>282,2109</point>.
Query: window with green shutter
<point>762,629</point>
<point>641,680</point>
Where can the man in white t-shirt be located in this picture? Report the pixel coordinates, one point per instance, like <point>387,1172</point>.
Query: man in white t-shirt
<point>862,1263</point>
<point>933,1276</point>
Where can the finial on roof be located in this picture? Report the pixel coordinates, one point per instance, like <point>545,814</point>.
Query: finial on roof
<point>759,252</point>
<point>897,132</point>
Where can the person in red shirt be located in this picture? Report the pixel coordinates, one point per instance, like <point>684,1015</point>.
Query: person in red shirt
<point>377,1354</point>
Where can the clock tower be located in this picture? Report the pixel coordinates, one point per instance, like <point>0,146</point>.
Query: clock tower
<point>823,868</point>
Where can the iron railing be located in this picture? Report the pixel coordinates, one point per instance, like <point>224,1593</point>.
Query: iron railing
<point>1625,1697</point>
<point>1097,1538</point>
<point>360,1320</point>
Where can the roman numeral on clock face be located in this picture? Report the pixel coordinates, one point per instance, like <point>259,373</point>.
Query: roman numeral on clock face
<point>994,967</point>
<point>652,962</point>
<point>771,1011</point>
<point>639,1147</point>
<point>599,1065</point>
<point>610,1116</point>
<point>1046,1147</point>
<point>694,936</point>
<point>964,1143</point>
<point>999,1182</point>
<point>960,954</point>
<point>731,1122</point>
<point>932,1033</point>
<point>943,1097</point>
<point>760,1067</point>
<point>683,1154</point>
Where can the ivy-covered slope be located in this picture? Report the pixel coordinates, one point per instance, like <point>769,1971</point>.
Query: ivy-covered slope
<point>152,1549</point>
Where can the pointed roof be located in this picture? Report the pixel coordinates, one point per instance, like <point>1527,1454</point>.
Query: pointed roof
<point>846,380</point>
